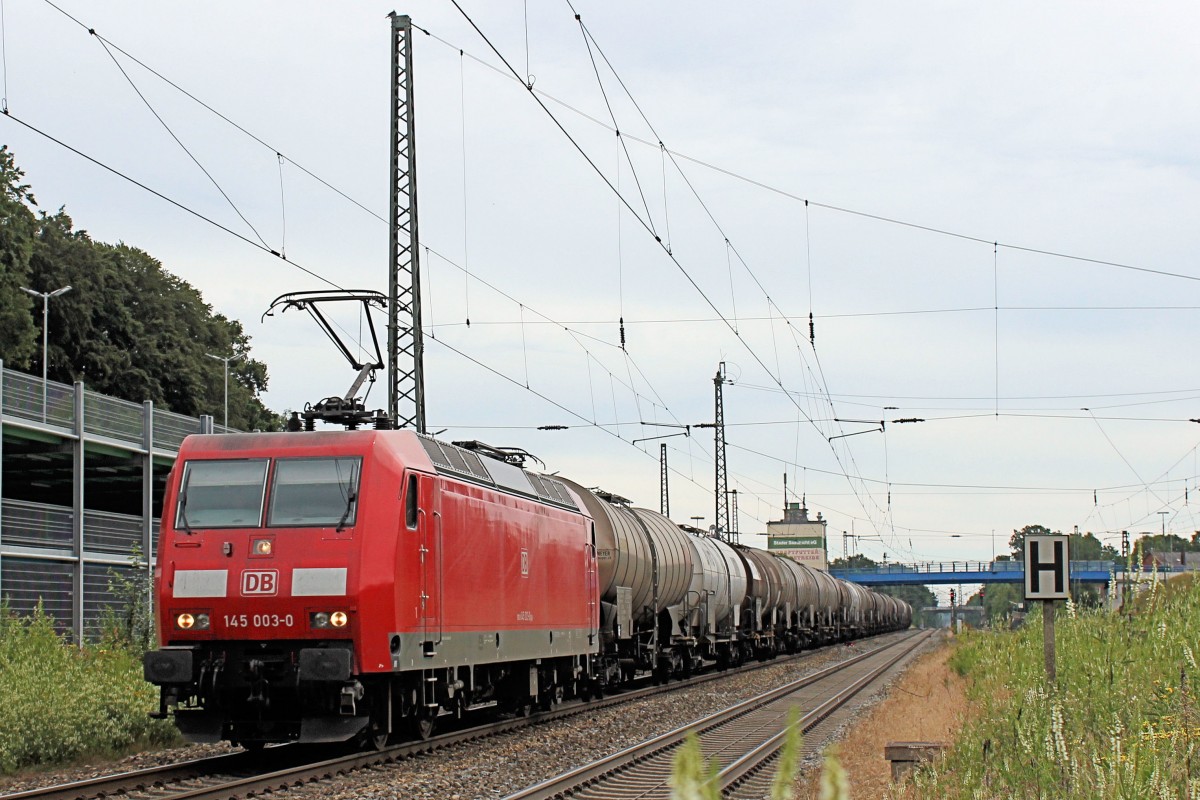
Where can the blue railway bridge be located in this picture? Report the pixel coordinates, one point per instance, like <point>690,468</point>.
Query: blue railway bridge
<point>968,572</point>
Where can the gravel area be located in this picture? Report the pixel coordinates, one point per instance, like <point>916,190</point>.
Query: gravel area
<point>502,764</point>
<point>29,779</point>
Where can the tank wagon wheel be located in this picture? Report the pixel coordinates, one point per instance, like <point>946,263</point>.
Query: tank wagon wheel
<point>589,689</point>
<point>519,707</point>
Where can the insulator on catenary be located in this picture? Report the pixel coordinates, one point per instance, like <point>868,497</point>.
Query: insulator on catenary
<point>622,333</point>
<point>812,331</point>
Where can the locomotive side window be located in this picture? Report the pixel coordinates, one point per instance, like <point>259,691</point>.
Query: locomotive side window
<point>410,504</point>
<point>221,494</point>
<point>314,491</point>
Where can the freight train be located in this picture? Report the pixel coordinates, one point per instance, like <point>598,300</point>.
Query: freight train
<point>354,585</point>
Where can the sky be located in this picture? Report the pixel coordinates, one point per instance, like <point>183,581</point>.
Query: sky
<point>989,210</point>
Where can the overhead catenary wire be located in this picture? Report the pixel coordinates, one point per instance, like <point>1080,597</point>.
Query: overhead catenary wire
<point>462,105</point>
<point>643,222</point>
<point>533,322</point>
<point>282,210</point>
<point>172,201</point>
<point>551,401</point>
<point>4,57</point>
<point>266,249</point>
<point>933,229</point>
<point>216,113</point>
<point>179,142</point>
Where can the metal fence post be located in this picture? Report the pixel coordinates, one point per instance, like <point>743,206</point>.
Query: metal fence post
<point>77,496</point>
<point>148,498</point>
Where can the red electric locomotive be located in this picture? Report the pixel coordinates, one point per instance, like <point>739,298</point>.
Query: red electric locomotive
<point>330,585</point>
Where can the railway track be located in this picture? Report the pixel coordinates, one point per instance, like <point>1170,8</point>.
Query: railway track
<point>240,775</point>
<point>744,739</point>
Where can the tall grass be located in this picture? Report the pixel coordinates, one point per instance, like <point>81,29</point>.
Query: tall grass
<point>694,778</point>
<point>61,703</point>
<point>1122,721</point>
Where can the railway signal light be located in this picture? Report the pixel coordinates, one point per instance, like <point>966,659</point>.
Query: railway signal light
<point>951,597</point>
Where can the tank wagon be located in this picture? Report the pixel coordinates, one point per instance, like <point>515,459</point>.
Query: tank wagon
<point>328,586</point>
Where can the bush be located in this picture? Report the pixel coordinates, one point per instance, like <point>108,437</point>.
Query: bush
<point>60,703</point>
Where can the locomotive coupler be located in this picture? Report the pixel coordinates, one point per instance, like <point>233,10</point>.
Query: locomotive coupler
<point>351,694</point>
<point>258,684</point>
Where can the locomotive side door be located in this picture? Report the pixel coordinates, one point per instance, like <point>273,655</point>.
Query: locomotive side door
<point>592,582</point>
<point>429,531</point>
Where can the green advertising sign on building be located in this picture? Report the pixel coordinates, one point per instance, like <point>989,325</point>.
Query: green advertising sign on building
<point>794,542</point>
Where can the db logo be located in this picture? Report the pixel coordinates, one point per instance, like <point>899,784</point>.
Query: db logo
<point>264,581</point>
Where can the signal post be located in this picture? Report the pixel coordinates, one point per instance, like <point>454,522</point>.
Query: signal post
<point>1047,578</point>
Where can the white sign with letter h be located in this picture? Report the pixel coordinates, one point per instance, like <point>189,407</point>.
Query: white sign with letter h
<point>1047,568</point>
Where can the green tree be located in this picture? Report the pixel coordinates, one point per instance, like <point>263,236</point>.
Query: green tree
<point>130,329</point>
<point>999,599</point>
<point>857,561</point>
<point>1082,547</point>
<point>916,596</point>
<point>1144,545</point>
<point>1017,540</point>
<point>18,333</point>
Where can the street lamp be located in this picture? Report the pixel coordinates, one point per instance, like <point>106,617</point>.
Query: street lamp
<point>226,362</point>
<point>45,332</point>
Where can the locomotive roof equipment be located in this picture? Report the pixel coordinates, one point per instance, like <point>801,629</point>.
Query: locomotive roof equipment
<point>348,410</point>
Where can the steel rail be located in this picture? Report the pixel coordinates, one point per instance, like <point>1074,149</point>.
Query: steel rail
<point>289,765</point>
<point>752,762</point>
<point>593,779</point>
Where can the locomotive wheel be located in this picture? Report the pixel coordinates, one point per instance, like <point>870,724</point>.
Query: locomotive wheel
<point>375,737</point>
<point>423,726</point>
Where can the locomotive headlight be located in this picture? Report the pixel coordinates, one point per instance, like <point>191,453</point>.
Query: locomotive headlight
<point>188,621</point>
<point>329,619</point>
<point>261,547</point>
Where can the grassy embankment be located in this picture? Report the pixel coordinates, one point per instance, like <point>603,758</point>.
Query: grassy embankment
<point>60,703</point>
<point>1123,720</point>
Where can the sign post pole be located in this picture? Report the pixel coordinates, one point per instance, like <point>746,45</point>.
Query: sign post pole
<point>1047,578</point>
<point>1048,639</point>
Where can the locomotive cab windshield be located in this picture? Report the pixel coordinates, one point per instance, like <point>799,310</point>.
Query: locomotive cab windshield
<point>304,492</point>
<point>221,494</point>
<point>314,491</point>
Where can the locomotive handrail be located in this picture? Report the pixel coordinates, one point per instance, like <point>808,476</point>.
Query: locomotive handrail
<point>441,576</point>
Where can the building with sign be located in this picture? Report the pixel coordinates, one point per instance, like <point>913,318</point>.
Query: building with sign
<point>798,537</point>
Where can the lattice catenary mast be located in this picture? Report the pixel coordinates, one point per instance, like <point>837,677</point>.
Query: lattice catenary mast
<point>722,479</point>
<point>406,373</point>
<point>664,500</point>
